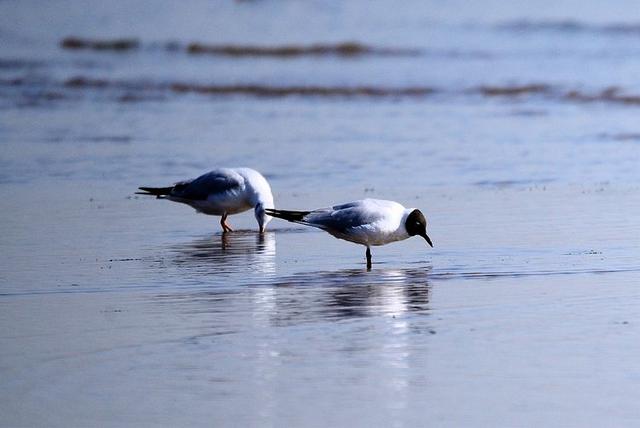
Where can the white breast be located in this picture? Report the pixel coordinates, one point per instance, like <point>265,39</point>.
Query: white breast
<point>389,227</point>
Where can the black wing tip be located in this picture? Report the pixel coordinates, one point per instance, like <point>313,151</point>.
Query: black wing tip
<point>154,191</point>
<point>295,216</point>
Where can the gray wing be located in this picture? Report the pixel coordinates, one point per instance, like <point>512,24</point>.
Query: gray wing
<point>217,181</point>
<point>342,218</point>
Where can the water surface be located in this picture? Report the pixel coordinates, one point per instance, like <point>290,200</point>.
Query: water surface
<point>512,126</point>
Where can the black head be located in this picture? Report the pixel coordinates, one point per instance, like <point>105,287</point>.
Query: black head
<point>416,224</point>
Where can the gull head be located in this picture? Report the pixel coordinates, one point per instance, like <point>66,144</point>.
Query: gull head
<point>416,224</point>
<point>262,216</point>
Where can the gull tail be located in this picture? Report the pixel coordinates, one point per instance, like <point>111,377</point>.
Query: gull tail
<point>294,216</point>
<point>158,192</point>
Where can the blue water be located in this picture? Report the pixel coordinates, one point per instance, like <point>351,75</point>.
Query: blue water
<point>512,126</point>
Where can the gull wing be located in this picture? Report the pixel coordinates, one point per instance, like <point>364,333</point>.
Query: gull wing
<point>343,218</point>
<point>214,182</point>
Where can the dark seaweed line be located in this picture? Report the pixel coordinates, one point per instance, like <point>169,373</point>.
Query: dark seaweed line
<point>570,26</point>
<point>343,49</point>
<point>611,94</point>
<point>256,90</point>
<point>139,91</point>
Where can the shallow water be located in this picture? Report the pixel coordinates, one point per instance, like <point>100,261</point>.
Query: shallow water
<point>512,126</point>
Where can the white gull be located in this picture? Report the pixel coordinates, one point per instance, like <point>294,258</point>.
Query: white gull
<point>369,222</point>
<point>222,192</point>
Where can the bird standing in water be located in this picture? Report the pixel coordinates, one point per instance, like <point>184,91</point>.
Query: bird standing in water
<point>222,192</point>
<point>369,222</point>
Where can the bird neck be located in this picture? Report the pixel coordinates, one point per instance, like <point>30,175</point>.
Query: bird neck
<point>403,221</point>
<point>263,198</point>
<point>258,189</point>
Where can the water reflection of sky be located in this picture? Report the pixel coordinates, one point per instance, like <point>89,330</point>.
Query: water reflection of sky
<point>313,296</point>
<point>367,330</point>
<point>226,253</point>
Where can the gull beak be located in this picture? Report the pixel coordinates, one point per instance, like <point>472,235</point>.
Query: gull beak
<point>427,239</point>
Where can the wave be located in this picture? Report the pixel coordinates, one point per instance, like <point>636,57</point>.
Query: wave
<point>19,64</point>
<point>118,45</point>
<point>137,90</point>
<point>610,94</point>
<point>343,49</point>
<point>525,273</point>
<point>503,184</point>
<point>257,90</point>
<point>513,90</point>
<point>310,90</point>
<point>569,26</point>
<point>631,137</point>
<point>16,81</point>
<point>279,91</point>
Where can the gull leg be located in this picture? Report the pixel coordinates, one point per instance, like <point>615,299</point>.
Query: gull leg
<point>368,253</point>
<point>223,223</point>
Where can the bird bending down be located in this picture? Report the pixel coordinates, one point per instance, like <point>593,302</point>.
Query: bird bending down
<point>369,222</point>
<point>223,192</point>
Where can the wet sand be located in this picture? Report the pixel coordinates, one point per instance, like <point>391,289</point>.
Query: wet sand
<point>147,315</point>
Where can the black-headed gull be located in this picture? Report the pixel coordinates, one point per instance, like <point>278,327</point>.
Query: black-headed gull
<point>223,191</point>
<point>369,222</point>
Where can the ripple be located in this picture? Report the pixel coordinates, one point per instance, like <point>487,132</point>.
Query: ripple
<point>625,136</point>
<point>514,90</point>
<point>114,45</point>
<point>126,91</point>
<point>310,90</point>
<point>469,274</point>
<point>569,26</point>
<point>344,49</point>
<point>501,184</point>
<point>315,295</point>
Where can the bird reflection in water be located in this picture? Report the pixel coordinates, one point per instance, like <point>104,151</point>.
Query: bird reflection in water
<point>227,253</point>
<point>351,293</point>
<point>244,263</point>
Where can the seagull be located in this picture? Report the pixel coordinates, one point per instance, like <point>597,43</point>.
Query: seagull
<point>368,222</point>
<point>223,191</point>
